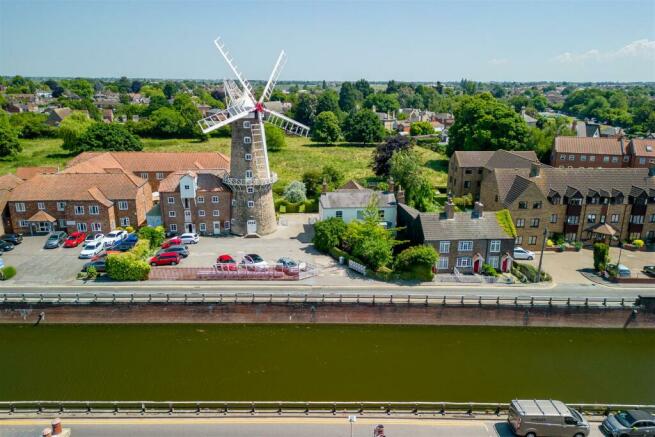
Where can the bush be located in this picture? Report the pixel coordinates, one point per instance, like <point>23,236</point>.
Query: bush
<point>414,256</point>
<point>464,201</point>
<point>311,205</point>
<point>488,270</point>
<point>155,235</point>
<point>601,256</point>
<point>335,253</point>
<point>419,272</point>
<point>141,249</point>
<point>129,229</point>
<point>578,246</point>
<point>328,233</point>
<point>549,243</point>
<point>530,272</point>
<point>91,273</point>
<point>275,140</point>
<point>295,192</point>
<point>505,221</point>
<point>638,243</point>
<point>127,267</point>
<point>7,272</point>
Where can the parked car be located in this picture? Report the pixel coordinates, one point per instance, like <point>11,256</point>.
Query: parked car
<point>532,418</point>
<point>94,237</point>
<point>123,246</point>
<point>99,264</point>
<point>620,270</point>
<point>114,237</point>
<point>55,240</point>
<point>521,253</point>
<point>104,254</point>
<point>629,423</point>
<point>182,250</point>
<point>165,259</point>
<point>14,239</point>
<point>89,250</point>
<point>175,241</point>
<point>253,261</point>
<point>288,265</point>
<point>226,262</point>
<point>190,238</point>
<point>649,270</point>
<point>6,246</point>
<point>75,239</point>
<point>132,238</point>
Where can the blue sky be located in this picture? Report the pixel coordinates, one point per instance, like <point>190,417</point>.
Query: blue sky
<point>578,40</point>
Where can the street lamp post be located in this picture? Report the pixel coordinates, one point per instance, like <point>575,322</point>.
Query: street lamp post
<point>541,255</point>
<point>352,419</point>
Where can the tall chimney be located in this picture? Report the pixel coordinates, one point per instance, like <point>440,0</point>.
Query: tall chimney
<point>56,426</point>
<point>477,210</point>
<point>324,188</point>
<point>449,209</point>
<point>535,169</point>
<point>400,195</point>
<point>392,186</point>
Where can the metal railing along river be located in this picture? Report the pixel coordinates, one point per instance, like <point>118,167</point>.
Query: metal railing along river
<point>312,298</point>
<point>278,407</point>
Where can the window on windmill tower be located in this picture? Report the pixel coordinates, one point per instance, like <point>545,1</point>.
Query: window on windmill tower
<point>250,190</point>
<point>246,125</point>
<point>248,174</point>
<point>246,140</point>
<point>251,204</point>
<point>248,157</point>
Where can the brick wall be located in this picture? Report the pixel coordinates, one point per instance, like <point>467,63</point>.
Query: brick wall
<point>67,219</point>
<point>223,207</point>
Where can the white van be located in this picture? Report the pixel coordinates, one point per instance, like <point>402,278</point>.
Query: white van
<point>540,418</point>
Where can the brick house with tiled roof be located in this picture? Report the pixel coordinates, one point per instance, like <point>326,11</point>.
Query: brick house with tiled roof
<point>26,173</point>
<point>7,183</point>
<point>574,201</point>
<point>79,202</point>
<point>576,152</point>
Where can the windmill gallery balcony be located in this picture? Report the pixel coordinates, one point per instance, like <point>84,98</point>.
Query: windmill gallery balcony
<point>244,183</point>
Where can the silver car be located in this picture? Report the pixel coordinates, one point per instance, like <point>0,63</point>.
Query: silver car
<point>630,423</point>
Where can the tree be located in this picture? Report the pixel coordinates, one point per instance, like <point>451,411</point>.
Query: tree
<point>103,136</point>
<point>191,114</point>
<point>295,192</point>
<point>156,102</point>
<point>313,180</point>
<point>154,234</point>
<point>80,87</point>
<point>328,101</point>
<point>305,110</point>
<point>405,169</point>
<point>364,88</point>
<point>421,128</point>
<point>167,122</point>
<point>333,176</point>
<point>31,125</point>
<point>364,127</point>
<point>601,256</point>
<point>382,102</point>
<point>484,123</point>
<point>383,153</point>
<point>326,128</point>
<point>9,144</point>
<point>328,233</point>
<point>72,128</point>
<point>468,87</point>
<point>170,89</point>
<point>275,139</point>
<point>349,97</point>
<point>418,261</point>
<point>135,86</point>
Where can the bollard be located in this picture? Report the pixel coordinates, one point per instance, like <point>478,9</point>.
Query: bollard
<point>143,408</point>
<point>498,301</point>
<point>203,298</point>
<point>391,299</point>
<point>46,432</point>
<point>197,408</point>
<point>409,296</point>
<point>426,300</point>
<point>373,301</point>
<point>170,408</point>
<point>357,297</point>
<point>88,408</point>
<point>605,302</point>
<point>253,298</point>
<point>586,302</point>
<point>444,300</point>
<point>462,300</point>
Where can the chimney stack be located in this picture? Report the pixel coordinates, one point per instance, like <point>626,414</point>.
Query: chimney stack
<point>56,426</point>
<point>46,432</point>
<point>477,210</point>
<point>535,169</point>
<point>400,195</point>
<point>392,186</point>
<point>325,186</point>
<point>449,209</point>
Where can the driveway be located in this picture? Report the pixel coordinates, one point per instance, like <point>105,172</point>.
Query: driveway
<point>36,265</point>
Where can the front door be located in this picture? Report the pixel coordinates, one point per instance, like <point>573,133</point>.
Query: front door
<point>217,228</point>
<point>252,226</point>
<point>190,227</point>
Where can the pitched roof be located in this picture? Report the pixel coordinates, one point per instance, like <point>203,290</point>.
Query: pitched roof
<point>505,159</point>
<point>602,146</point>
<point>41,216</point>
<point>28,172</point>
<point>148,161</point>
<point>101,187</point>
<point>461,227</point>
<point>351,185</point>
<point>480,158</point>
<point>356,198</point>
<point>9,181</point>
<point>206,180</point>
<point>643,147</point>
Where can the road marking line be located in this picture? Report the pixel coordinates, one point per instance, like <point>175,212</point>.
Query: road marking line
<point>248,421</point>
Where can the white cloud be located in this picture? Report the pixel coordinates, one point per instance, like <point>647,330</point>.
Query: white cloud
<point>496,61</point>
<point>640,48</point>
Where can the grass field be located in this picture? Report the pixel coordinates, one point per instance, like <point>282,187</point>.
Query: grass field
<point>299,156</point>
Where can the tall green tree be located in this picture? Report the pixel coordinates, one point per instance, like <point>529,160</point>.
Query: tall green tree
<point>363,126</point>
<point>484,123</point>
<point>383,153</point>
<point>72,128</point>
<point>328,101</point>
<point>349,97</point>
<point>326,128</point>
<point>305,110</point>
<point>9,144</point>
<point>382,102</point>
<point>109,137</point>
<point>405,169</point>
<point>275,139</point>
<point>364,87</point>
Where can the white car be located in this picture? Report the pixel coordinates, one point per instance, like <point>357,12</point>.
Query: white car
<point>190,238</point>
<point>252,261</point>
<point>89,250</point>
<point>114,237</point>
<point>521,253</point>
<point>94,237</point>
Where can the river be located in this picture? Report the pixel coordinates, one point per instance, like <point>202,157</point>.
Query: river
<point>325,362</point>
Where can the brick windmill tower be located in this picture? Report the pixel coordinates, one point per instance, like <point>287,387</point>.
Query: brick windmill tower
<point>250,177</point>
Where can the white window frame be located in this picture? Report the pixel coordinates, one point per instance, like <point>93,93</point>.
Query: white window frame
<point>464,262</point>
<point>532,240</point>
<point>172,227</point>
<point>122,205</point>
<point>248,174</point>
<point>171,200</point>
<point>520,222</point>
<point>144,175</point>
<point>494,246</point>
<point>20,206</point>
<point>444,247</point>
<point>81,227</point>
<point>215,199</point>
<point>226,225</point>
<point>250,190</point>
<point>615,159</point>
<point>40,205</point>
<point>519,239</point>
<point>247,140</point>
<point>124,221</point>
<point>246,124</point>
<point>216,213</point>
<point>61,206</point>
<point>200,199</point>
<point>248,157</point>
<point>592,158</point>
<point>22,223</point>
<point>443,263</point>
<point>96,227</point>
<point>465,246</point>
<point>203,227</point>
<point>338,214</point>
<point>494,261</point>
<point>201,213</point>
<point>94,210</point>
<point>251,204</point>
<point>159,176</point>
<point>171,213</point>
<point>79,209</point>
<point>187,213</point>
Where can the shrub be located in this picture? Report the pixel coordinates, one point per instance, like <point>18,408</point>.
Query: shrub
<point>7,272</point>
<point>530,272</point>
<point>275,140</point>
<point>127,267</point>
<point>419,272</point>
<point>282,209</point>
<point>577,245</point>
<point>91,273</point>
<point>328,233</point>
<point>141,249</point>
<point>464,201</point>
<point>335,253</point>
<point>295,192</point>
<point>601,256</point>
<point>129,229</point>
<point>155,235</point>
<point>311,205</point>
<point>313,180</point>
<point>638,243</point>
<point>505,221</point>
<point>414,256</point>
<point>549,243</point>
<point>488,270</point>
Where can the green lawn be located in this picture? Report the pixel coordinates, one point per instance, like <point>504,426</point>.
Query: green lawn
<point>299,156</point>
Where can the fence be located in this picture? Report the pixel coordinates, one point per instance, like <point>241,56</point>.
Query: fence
<point>279,407</point>
<point>232,272</point>
<point>317,298</point>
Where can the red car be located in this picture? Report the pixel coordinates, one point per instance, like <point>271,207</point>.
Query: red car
<point>75,239</point>
<point>166,259</point>
<point>175,241</point>
<point>226,262</point>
